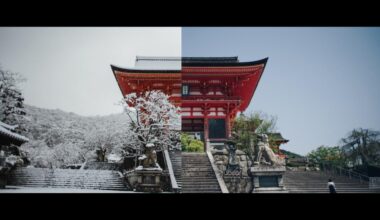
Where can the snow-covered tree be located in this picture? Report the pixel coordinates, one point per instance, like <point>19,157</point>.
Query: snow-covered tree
<point>58,138</point>
<point>11,100</point>
<point>153,119</point>
<point>99,141</point>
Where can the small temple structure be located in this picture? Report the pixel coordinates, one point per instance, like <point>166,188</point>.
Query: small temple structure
<point>8,136</point>
<point>209,90</point>
<point>278,140</point>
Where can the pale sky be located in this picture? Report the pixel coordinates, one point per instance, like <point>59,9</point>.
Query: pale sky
<point>320,82</point>
<point>69,68</point>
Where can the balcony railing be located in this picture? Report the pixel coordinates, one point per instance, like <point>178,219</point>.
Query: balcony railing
<point>211,97</point>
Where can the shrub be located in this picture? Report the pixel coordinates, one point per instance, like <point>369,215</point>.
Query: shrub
<point>189,144</point>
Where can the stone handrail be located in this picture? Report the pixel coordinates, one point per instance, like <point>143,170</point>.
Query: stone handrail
<point>173,180</point>
<point>221,182</point>
<point>337,170</point>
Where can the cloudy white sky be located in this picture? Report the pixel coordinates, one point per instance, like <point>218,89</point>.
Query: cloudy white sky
<point>69,68</point>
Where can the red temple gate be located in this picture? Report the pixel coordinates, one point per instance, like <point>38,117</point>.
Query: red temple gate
<point>210,90</point>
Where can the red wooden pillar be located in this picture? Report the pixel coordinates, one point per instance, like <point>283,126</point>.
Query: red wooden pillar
<point>205,125</point>
<point>228,129</point>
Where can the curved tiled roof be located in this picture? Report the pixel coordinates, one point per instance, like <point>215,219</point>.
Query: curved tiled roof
<point>210,59</point>
<point>146,64</point>
<point>221,63</point>
<point>12,135</point>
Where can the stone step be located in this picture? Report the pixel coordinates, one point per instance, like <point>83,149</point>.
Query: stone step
<point>67,178</point>
<point>65,181</point>
<point>198,175</point>
<point>198,178</point>
<point>209,181</point>
<point>65,184</point>
<point>302,192</point>
<point>201,191</point>
<point>94,176</point>
<point>47,170</point>
<point>199,169</point>
<point>204,175</point>
<point>324,186</point>
<point>201,186</point>
<point>194,165</point>
<point>316,182</point>
<point>74,186</point>
<point>321,183</point>
<point>326,191</point>
<point>200,182</point>
<point>108,178</point>
<point>213,181</point>
<point>195,161</point>
<point>62,181</point>
<point>197,157</point>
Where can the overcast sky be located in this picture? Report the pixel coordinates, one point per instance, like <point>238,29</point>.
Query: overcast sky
<point>69,68</point>
<point>320,82</point>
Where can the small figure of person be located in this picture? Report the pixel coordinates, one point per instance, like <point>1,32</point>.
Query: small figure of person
<point>331,186</point>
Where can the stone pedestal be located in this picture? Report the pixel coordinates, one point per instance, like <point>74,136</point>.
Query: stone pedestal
<point>268,179</point>
<point>4,170</point>
<point>148,179</point>
<point>374,182</point>
<point>3,181</point>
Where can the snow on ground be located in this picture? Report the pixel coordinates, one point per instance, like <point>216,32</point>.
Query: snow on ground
<point>114,158</point>
<point>18,189</point>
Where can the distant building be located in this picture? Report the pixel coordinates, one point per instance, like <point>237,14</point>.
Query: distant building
<point>278,140</point>
<point>8,136</point>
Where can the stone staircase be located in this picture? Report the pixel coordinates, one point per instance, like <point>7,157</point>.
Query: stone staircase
<point>67,178</point>
<point>92,165</point>
<point>198,175</point>
<point>176,159</point>
<point>316,182</point>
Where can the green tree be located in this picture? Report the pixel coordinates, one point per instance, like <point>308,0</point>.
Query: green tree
<point>246,129</point>
<point>327,154</point>
<point>364,144</point>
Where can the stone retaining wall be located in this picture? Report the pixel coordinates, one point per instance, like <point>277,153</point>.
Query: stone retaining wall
<point>235,184</point>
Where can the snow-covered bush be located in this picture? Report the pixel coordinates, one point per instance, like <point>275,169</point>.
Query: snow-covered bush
<point>79,136</point>
<point>153,119</point>
<point>11,99</point>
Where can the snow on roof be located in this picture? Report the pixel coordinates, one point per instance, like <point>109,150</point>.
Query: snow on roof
<point>157,63</point>
<point>4,129</point>
<point>7,126</point>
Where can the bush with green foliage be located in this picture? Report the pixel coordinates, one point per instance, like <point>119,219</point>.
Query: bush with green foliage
<point>361,147</point>
<point>325,154</point>
<point>247,128</point>
<point>189,144</point>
